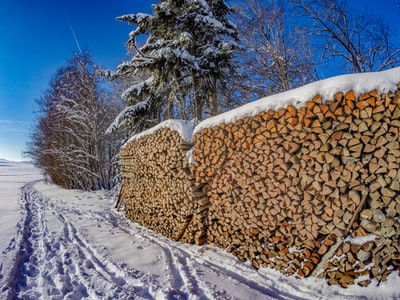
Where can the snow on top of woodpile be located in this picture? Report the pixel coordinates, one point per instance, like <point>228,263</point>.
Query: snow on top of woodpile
<point>384,81</point>
<point>184,128</point>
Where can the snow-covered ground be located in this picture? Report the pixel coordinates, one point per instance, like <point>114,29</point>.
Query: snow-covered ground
<point>12,177</point>
<point>69,244</point>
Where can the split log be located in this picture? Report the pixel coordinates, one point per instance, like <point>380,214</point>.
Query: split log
<point>156,184</point>
<point>335,159</point>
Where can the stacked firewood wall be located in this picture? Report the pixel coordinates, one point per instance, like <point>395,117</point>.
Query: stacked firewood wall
<point>156,184</point>
<point>311,191</point>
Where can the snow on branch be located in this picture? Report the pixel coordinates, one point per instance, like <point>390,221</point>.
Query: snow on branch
<point>129,112</point>
<point>137,89</point>
<point>184,129</point>
<point>134,19</point>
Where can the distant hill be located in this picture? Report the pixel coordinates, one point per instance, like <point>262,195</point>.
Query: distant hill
<point>6,162</point>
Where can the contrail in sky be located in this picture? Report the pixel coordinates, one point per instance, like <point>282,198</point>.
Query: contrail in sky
<point>70,27</point>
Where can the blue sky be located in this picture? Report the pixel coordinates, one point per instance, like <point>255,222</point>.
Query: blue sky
<point>35,40</point>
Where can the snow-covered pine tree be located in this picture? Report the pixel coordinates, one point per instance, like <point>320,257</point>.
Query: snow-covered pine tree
<point>187,53</point>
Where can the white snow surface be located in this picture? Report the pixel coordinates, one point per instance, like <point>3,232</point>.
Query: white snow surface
<point>12,177</point>
<point>184,128</point>
<point>384,81</point>
<point>70,244</point>
<point>361,240</point>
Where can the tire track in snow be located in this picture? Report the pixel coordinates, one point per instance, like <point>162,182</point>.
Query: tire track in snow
<point>181,282</point>
<point>189,262</point>
<point>56,264</point>
<point>118,279</point>
<point>192,282</point>
<point>60,263</point>
<point>104,269</point>
<point>183,266</point>
<point>22,245</point>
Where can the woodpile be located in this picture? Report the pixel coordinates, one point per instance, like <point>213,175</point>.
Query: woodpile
<point>286,187</point>
<point>360,261</point>
<point>156,184</point>
<point>310,191</point>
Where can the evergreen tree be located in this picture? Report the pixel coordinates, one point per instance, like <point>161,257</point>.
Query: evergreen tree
<point>187,55</point>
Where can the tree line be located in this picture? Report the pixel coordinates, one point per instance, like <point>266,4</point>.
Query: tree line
<point>68,142</point>
<point>193,59</point>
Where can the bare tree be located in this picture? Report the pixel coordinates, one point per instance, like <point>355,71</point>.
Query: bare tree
<point>275,57</point>
<point>68,142</point>
<point>111,103</point>
<point>362,42</point>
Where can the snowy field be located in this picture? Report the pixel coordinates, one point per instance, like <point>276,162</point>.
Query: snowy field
<point>68,244</point>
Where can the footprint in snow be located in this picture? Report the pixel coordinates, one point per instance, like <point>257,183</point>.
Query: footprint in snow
<point>89,264</point>
<point>32,271</point>
<point>57,245</point>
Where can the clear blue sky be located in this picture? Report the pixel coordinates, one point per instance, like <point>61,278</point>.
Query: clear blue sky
<point>35,39</point>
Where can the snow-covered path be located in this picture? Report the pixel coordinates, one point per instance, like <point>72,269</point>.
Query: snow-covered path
<point>57,259</point>
<point>54,261</point>
<point>71,244</point>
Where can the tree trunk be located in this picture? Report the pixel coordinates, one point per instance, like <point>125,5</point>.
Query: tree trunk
<point>212,98</point>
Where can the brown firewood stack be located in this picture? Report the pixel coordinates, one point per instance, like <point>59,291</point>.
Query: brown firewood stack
<point>287,188</point>
<point>156,184</point>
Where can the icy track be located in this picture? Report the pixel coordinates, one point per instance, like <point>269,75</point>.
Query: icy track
<point>74,245</point>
